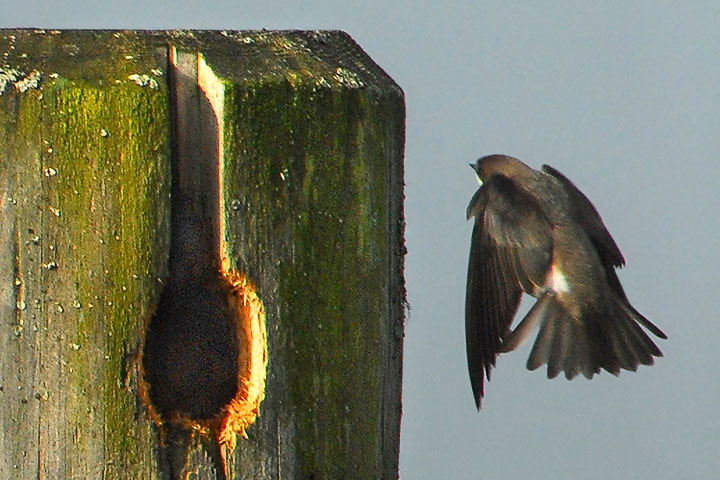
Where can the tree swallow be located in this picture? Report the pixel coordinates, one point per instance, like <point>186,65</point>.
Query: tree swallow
<point>535,232</point>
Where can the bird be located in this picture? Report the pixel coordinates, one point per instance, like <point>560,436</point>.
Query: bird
<point>536,232</point>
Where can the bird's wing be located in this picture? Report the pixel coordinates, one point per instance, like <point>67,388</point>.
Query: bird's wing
<point>610,255</point>
<point>589,219</point>
<point>511,252</point>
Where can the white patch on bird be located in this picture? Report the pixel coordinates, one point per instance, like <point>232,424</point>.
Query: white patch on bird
<point>557,281</point>
<point>480,182</point>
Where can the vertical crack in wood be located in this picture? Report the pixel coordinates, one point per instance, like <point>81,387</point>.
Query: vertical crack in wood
<point>205,353</point>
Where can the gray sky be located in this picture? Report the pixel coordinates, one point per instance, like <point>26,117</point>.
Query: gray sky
<point>622,97</point>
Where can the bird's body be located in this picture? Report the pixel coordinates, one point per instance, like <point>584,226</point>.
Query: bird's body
<point>535,232</point>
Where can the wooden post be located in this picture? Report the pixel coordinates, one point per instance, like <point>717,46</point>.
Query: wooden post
<point>201,239</point>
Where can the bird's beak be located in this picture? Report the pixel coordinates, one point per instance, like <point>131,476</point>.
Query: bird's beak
<point>480,182</point>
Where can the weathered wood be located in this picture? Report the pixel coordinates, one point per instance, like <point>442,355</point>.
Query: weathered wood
<point>309,136</point>
<point>84,202</point>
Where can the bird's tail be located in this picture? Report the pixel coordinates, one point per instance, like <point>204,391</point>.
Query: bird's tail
<point>609,339</point>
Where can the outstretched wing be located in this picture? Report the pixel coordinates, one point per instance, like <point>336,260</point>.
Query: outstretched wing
<point>511,251</point>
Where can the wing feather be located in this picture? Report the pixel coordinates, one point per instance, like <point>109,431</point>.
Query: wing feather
<point>511,252</point>
<point>589,219</point>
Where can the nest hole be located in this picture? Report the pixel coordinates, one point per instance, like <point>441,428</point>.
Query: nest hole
<point>205,357</point>
<point>191,353</point>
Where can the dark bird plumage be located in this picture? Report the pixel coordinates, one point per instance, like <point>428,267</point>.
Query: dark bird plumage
<point>535,232</point>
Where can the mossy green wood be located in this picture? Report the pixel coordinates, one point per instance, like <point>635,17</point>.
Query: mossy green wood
<point>84,189</point>
<point>313,149</point>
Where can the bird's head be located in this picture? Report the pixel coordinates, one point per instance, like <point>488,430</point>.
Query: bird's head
<point>490,165</point>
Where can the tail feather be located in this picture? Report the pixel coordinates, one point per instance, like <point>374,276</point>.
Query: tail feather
<point>612,340</point>
<point>581,356</point>
<point>640,335</point>
<point>558,353</point>
<point>572,363</point>
<point>640,318</point>
<point>540,353</point>
<point>626,351</point>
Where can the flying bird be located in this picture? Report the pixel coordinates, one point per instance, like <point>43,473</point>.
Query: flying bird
<point>536,232</point>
